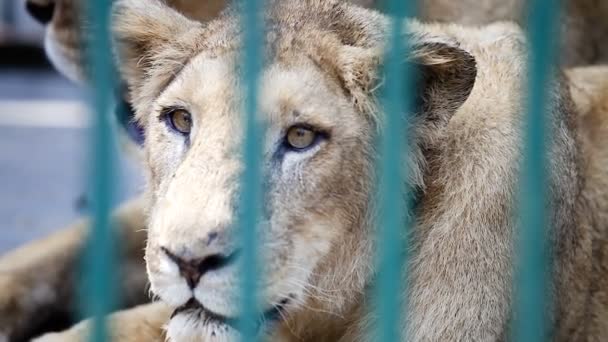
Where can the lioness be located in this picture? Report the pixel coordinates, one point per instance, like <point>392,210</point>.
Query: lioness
<point>584,27</point>
<point>318,98</point>
<point>45,264</point>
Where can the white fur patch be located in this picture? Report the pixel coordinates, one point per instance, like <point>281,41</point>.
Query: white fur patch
<point>292,160</point>
<point>189,327</point>
<point>173,290</point>
<point>60,61</point>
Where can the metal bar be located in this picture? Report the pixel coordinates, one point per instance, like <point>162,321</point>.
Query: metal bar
<point>98,297</point>
<point>533,271</point>
<point>251,184</point>
<point>392,220</point>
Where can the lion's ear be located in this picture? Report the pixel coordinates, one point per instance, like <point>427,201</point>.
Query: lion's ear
<point>150,38</point>
<point>444,72</point>
<point>445,76</point>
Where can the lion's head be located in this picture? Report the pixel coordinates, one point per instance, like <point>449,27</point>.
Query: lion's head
<point>318,99</point>
<point>318,103</point>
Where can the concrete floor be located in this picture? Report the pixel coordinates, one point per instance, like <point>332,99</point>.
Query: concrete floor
<point>44,157</point>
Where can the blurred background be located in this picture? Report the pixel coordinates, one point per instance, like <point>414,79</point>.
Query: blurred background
<point>43,137</point>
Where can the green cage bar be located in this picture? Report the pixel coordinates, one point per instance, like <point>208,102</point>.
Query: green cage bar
<point>252,23</point>
<point>533,274</point>
<point>97,286</point>
<point>392,221</point>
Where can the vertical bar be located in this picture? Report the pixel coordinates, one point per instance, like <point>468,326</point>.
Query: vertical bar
<point>251,179</point>
<point>98,300</point>
<point>533,265</point>
<point>392,221</point>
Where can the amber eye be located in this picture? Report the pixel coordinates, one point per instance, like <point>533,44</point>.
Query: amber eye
<point>180,121</point>
<point>299,138</point>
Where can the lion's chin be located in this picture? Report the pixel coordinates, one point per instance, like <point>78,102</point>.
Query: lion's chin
<point>190,326</point>
<point>193,322</point>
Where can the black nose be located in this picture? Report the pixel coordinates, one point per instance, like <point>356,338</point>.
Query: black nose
<point>192,270</point>
<point>41,11</point>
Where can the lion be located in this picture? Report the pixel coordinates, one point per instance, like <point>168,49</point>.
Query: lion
<point>319,92</point>
<point>36,274</point>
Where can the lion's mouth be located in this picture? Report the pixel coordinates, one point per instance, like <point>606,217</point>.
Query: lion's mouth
<point>194,307</point>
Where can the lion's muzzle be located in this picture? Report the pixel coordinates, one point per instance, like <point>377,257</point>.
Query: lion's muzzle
<point>193,269</point>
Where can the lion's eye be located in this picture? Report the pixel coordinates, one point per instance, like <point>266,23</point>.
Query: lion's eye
<point>180,121</point>
<point>300,138</point>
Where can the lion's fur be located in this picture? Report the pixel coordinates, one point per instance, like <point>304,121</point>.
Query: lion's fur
<point>143,323</point>
<point>38,280</point>
<point>584,28</point>
<point>589,86</point>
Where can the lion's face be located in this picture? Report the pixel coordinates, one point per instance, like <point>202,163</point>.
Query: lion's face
<point>314,166</point>
<point>317,104</point>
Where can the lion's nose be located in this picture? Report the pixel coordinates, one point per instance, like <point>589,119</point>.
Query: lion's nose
<point>41,10</point>
<point>192,270</point>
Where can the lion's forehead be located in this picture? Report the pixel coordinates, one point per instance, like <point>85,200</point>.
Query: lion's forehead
<point>211,86</point>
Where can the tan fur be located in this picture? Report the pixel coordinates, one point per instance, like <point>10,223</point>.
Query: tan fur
<point>140,324</point>
<point>318,238</point>
<point>589,86</point>
<point>38,280</point>
<point>584,23</point>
